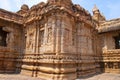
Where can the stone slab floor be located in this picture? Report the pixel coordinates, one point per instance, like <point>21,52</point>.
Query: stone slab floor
<point>16,77</point>
<point>103,76</point>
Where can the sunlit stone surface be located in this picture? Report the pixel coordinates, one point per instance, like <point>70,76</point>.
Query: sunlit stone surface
<point>58,40</point>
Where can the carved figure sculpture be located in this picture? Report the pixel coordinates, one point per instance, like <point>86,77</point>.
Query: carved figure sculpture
<point>10,39</point>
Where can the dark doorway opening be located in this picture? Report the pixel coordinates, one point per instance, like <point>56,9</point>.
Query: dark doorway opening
<point>3,36</point>
<point>117,42</point>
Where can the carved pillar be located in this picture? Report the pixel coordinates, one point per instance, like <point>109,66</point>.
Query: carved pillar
<point>54,34</point>
<point>37,37</point>
<point>105,43</point>
<point>45,35</point>
<point>58,35</point>
<point>62,36</point>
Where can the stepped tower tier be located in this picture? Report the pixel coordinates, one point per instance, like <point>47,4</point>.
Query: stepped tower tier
<point>60,2</point>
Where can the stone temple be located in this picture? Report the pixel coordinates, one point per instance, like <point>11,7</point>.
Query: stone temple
<point>58,40</point>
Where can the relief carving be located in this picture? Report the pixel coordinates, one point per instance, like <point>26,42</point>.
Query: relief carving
<point>66,35</point>
<point>49,35</point>
<point>73,47</point>
<point>41,37</point>
<point>10,39</point>
<point>30,40</point>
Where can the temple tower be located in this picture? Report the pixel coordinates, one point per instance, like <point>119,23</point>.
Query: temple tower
<point>97,16</point>
<point>63,3</point>
<point>59,1</point>
<point>57,37</point>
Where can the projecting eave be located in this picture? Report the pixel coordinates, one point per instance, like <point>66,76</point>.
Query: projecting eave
<point>108,26</point>
<point>11,17</point>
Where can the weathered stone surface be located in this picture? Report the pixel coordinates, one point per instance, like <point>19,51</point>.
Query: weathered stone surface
<point>57,40</point>
<point>104,76</point>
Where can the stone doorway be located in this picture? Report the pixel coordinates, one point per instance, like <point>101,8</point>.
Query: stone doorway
<point>3,36</point>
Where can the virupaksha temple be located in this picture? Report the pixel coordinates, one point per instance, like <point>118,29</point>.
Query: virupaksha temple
<point>58,40</point>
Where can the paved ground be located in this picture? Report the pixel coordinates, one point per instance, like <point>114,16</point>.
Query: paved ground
<point>16,77</point>
<point>104,76</point>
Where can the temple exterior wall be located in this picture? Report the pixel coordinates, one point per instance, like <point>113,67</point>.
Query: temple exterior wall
<point>11,35</point>
<point>58,40</point>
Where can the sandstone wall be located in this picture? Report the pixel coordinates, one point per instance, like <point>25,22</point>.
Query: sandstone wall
<point>13,48</point>
<point>110,55</point>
